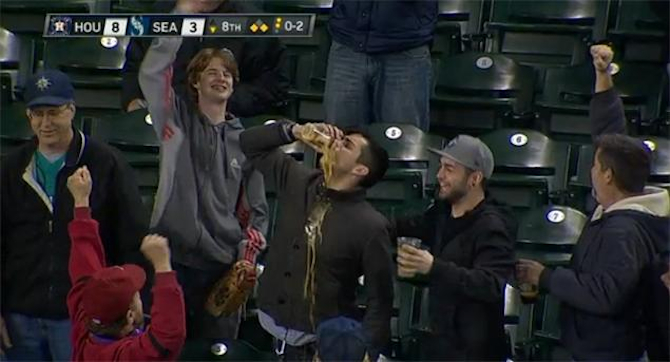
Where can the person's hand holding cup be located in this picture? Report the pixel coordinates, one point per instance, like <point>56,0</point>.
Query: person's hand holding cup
<point>403,243</point>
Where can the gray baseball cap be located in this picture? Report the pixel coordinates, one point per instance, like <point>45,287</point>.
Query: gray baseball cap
<point>469,152</point>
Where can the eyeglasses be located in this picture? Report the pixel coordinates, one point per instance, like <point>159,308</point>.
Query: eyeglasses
<point>51,113</point>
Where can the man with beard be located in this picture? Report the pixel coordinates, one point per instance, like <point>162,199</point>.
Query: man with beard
<point>469,260</point>
<point>204,178</point>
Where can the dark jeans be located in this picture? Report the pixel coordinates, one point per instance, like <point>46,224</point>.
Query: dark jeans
<point>196,285</point>
<point>392,87</point>
<point>38,339</point>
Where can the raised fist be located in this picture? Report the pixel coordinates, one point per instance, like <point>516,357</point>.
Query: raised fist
<point>80,185</point>
<point>602,57</point>
<point>155,248</point>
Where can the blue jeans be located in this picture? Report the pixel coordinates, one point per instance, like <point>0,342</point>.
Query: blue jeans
<point>38,339</point>
<point>391,87</point>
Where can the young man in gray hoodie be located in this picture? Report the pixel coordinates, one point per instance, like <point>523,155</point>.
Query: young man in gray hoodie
<point>204,178</point>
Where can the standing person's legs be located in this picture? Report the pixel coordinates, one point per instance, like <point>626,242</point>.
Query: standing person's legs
<point>196,285</point>
<point>403,86</point>
<point>58,335</point>
<point>28,340</point>
<point>347,96</point>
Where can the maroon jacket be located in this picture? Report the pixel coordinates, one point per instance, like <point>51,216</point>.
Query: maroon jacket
<point>162,340</point>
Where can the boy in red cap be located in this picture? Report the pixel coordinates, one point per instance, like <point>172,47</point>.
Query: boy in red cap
<point>104,302</point>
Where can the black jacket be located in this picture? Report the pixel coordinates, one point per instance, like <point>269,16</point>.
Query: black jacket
<point>262,65</point>
<point>35,241</point>
<point>372,26</point>
<point>604,292</point>
<point>467,281</point>
<point>355,242</point>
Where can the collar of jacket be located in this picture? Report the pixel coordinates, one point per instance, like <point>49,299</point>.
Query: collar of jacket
<point>76,149</point>
<point>654,201</point>
<point>357,194</point>
<point>72,158</point>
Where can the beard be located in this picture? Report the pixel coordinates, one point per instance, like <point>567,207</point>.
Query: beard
<point>456,193</point>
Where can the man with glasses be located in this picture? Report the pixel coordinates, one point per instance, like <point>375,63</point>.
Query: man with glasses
<point>36,208</point>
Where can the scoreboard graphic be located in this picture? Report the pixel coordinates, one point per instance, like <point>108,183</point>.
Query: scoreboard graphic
<point>196,25</point>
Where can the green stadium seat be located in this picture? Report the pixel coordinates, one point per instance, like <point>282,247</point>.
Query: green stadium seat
<point>546,234</point>
<point>6,91</point>
<point>260,120</point>
<point>660,166</point>
<point>475,92</point>
<point>17,60</point>
<point>137,141</point>
<point>20,16</point>
<point>15,126</point>
<point>307,88</point>
<point>564,104</point>
<point>10,52</point>
<point>579,186</point>
<point>307,58</point>
<point>94,65</point>
<point>407,147</point>
<point>307,70</point>
<point>640,33</point>
<point>235,350</point>
<point>530,168</point>
<point>458,20</point>
<point>411,168</point>
<point>545,32</point>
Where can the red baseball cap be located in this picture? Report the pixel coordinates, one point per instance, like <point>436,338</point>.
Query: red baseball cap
<point>108,293</point>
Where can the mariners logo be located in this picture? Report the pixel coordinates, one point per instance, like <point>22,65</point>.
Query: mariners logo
<point>60,25</point>
<point>138,25</point>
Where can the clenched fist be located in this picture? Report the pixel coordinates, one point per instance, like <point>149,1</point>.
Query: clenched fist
<point>80,185</point>
<point>602,57</point>
<point>155,248</point>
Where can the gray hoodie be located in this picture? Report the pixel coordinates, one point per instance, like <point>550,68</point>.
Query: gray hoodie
<point>202,171</point>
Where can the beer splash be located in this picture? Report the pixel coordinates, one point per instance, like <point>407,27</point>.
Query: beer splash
<point>321,142</point>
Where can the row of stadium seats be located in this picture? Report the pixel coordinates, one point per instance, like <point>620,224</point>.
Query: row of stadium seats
<point>474,92</point>
<point>531,168</point>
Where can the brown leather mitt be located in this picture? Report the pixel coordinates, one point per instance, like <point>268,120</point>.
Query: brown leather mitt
<point>231,291</point>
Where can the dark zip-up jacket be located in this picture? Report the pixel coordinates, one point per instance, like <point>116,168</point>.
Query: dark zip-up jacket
<point>467,281</point>
<point>370,26</point>
<point>355,242</point>
<point>35,240</point>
